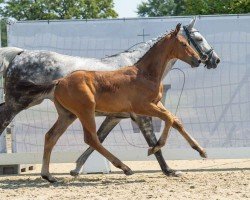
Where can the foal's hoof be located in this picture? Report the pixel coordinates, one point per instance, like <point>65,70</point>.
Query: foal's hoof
<point>201,151</point>
<point>152,150</point>
<point>128,172</point>
<point>51,179</point>
<point>74,173</point>
<point>203,154</point>
<point>173,173</point>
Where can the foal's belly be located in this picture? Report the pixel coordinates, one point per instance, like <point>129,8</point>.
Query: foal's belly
<point>113,103</point>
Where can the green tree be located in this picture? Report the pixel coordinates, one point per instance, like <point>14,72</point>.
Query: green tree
<point>180,7</point>
<point>195,7</point>
<point>153,8</point>
<point>3,32</point>
<point>57,9</point>
<point>240,6</point>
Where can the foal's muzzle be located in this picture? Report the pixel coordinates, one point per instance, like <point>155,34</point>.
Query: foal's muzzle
<point>196,62</point>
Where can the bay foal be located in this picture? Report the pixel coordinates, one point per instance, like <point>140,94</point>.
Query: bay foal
<point>134,89</point>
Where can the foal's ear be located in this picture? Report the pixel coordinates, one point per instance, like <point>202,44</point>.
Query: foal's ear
<point>177,29</point>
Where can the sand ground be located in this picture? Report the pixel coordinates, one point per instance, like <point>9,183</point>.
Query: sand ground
<point>202,179</point>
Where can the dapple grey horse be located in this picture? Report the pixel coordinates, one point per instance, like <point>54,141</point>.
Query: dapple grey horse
<point>42,67</point>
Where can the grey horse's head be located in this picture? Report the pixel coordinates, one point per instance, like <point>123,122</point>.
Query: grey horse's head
<point>208,55</point>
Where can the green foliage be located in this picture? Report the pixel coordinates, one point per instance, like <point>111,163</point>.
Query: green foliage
<point>153,8</point>
<point>3,32</point>
<point>240,6</point>
<point>53,9</point>
<point>194,7</point>
<point>57,9</point>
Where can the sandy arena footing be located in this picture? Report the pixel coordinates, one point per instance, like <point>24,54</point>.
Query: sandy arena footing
<point>202,179</point>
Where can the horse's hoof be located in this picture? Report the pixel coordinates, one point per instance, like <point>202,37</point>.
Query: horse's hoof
<point>51,179</point>
<point>74,173</point>
<point>128,172</point>
<point>173,173</point>
<point>201,151</point>
<point>203,154</point>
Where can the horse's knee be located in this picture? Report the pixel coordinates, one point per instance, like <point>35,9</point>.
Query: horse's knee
<point>177,124</point>
<point>169,121</point>
<point>49,143</point>
<point>87,141</point>
<point>161,143</point>
<point>47,137</point>
<point>90,140</point>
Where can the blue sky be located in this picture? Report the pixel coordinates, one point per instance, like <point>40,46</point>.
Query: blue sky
<point>126,8</point>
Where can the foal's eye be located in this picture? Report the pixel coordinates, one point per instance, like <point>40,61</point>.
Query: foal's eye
<point>184,44</point>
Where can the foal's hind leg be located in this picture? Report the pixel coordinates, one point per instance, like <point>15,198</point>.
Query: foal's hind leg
<point>108,124</point>
<point>87,119</point>
<point>65,118</point>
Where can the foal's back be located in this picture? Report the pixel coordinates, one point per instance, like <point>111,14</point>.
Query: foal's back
<point>104,91</point>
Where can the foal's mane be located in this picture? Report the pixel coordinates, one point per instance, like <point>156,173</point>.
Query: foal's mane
<point>159,39</point>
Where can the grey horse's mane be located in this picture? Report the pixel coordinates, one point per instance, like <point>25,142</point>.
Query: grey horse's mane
<point>142,46</point>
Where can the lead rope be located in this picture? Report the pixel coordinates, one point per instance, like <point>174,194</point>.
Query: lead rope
<point>176,110</point>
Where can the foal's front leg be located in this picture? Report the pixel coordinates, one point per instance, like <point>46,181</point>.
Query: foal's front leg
<point>160,111</point>
<point>192,142</point>
<point>179,126</point>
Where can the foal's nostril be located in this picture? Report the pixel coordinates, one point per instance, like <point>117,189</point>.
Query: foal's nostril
<point>218,61</point>
<point>199,61</point>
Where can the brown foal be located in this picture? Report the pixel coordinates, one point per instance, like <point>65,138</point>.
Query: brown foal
<point>134,89</point>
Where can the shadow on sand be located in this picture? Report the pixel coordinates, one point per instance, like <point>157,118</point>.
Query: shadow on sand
<point>88,180</point>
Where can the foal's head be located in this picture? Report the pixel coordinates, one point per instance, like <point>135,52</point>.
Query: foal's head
<point>182,50</point>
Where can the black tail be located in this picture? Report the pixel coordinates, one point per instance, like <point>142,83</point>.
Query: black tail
<point>6,116</point>
<point>33,88</point>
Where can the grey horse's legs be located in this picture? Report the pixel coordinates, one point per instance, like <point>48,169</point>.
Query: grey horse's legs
<point>108,124</point>
<point>146,126</point>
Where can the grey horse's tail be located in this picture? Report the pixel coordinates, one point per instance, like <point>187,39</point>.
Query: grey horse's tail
<point>6,116</point>
<point>34,89</point>
<point>7,113</point>
<point>7,54</point>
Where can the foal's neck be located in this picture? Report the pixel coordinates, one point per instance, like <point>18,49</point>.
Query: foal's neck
<point>152,65</point>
